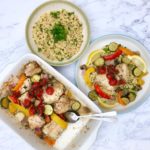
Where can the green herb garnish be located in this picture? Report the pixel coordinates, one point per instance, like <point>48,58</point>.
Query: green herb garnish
<point>106,49</point>
<point>59,32</point>
<point>55,14</point>
<point>39,49</point>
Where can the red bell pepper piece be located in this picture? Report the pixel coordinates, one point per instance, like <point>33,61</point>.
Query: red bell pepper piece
<point>13,99</point>
<point>100,92</point>
<point>113,56</point>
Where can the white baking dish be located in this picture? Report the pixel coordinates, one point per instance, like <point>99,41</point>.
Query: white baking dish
<point>82,141</point>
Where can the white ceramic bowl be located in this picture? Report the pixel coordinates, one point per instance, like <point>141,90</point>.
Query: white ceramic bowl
<point>133,45</point>
<point>54,5</point>
<point>82,141</point>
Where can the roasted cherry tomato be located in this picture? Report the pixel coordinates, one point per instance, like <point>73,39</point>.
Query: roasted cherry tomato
<point>102,70</point>
<point>27,103</point>
<point>113,82</point>
<point>49,90</point>
<point>32,110</point>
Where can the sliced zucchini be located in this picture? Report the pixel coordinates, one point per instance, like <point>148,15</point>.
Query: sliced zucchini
<point>125,60</point>
<point>125,92</point>
<point>76,105</point>
<point>137,88</point>
<point>93,95</point>
<point>125,100</point>
<point>35,78</point>
<point>5,102</point>
<point>113,46</point>
<point>99,62</point>
<point>48,110</point>
<point>137,72</point>
<point>132,96</point>
<point>131,67</point>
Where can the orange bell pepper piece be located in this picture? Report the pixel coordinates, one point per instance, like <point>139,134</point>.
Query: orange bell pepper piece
<point>120,101</point>
<point>49,141</point>
<point>20,83</point>
<point>126,51</point>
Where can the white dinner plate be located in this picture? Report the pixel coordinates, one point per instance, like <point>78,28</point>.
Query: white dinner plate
<point>131,44</point>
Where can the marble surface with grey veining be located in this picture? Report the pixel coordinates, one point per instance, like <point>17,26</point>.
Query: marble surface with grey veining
<point>128,17</point>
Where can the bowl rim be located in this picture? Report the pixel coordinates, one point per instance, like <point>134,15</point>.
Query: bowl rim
<point>84,17</point>
<point>136,41</point>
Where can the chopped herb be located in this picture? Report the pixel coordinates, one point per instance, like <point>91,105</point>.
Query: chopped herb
<point>41,29</point>
<point>39,49</point>
<point>25,87</point>
<point>59,32</point>
<point>70,13</point>
<point>106,49</point>
<point>55,14</point>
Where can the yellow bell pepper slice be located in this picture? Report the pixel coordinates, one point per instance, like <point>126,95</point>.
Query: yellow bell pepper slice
<point>140,81</point>
<point>63,124</point>
<point>12,109</point>
<point>87,75</point>
<point>20,82</point>
<point>15,107</point>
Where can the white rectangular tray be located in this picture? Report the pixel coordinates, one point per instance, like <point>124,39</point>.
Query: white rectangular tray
<point>82,141</point>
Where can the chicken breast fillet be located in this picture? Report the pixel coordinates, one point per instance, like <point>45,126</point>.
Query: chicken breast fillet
<point>32,68</point>
<point>103,81</point>
<point>123,71</point>
<point>52,130</point>
<point>58,91</point>
<point>62,105</point>
<point>36,121</point>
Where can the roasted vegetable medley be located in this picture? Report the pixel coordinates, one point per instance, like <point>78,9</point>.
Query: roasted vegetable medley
<point>114,75</point>
<point>38,101</point>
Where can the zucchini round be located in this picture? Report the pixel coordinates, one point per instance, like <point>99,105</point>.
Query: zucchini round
<point>125,100</point>
<point>48,110</point>
<point>99,62</point>
<point>137,72</point>
<point>93,95</point>
<point>113,46</point>
<point>131,96</point>
<point>35,78</point>
<point>5,102</point>
<point>125,60</point>
<point>76,106</point>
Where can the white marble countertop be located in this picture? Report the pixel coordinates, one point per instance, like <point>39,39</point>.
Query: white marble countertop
<point>129,17</point>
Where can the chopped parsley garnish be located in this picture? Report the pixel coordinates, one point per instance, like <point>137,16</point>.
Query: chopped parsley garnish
<point>59,32</point>
<point>55,14</point>
<point>70,13</point>
<point>39,49</point>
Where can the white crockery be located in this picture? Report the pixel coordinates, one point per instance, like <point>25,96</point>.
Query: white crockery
<point>83,140</point>
<point>131,44</point>
<point>54,5</point>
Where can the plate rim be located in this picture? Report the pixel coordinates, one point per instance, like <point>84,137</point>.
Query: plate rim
<point>79,10</point>
<point>136,41</point>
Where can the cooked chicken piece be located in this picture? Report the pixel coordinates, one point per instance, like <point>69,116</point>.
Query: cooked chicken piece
<point>123,71</point>
<point>20,116</point>
<point>52,130</point>
<point>84,110</point>
<point>23,97</point>
<point>7,86</point>
<point>104,82</point>
<point>32,68</point>
<point>36,121</point>
<point>26,86</point>
<point>58,91</point>
<point>62,105</point>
